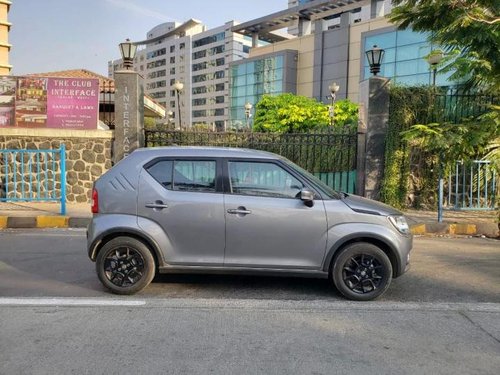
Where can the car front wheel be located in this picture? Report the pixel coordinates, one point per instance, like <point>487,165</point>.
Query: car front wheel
<point>362,271</point>
<point>125,265</point>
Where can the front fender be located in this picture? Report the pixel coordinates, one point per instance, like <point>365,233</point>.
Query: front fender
<point>396,245</point>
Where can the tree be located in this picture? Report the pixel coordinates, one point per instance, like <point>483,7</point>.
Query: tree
<point>467,29</point>
<point>289,113</point>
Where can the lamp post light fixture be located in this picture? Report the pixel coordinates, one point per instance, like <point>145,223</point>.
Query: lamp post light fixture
<point>178,87</point>
<point>333,88</point>
<point>434,58</point>
<point>170,115</point>
<point>375,56</point>
<point>128,50</point>
<point>248,113</point>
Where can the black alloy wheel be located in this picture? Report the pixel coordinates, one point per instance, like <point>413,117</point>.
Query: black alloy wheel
<point>125,265</point>
<point>362,271</point>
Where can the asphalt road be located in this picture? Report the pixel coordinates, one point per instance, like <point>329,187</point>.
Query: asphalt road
<point>54,263</point>
<point>443,317</point>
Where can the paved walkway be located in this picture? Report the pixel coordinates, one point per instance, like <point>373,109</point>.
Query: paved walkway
<point>43,215</point>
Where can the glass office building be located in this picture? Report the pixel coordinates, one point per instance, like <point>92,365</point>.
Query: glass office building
<point>404,60</point>
<point>271,74</point>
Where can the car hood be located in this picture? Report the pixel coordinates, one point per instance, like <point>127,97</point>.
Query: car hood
<point>368,206</point>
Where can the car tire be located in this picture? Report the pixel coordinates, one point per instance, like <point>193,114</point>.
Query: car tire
<point>361,271</point>
<point>125,265</point>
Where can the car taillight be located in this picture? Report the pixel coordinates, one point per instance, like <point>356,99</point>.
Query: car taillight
<point>95,202</point>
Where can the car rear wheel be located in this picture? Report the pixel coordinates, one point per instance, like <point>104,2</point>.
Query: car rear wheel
<point>125,265</point>
<point>362,271</point>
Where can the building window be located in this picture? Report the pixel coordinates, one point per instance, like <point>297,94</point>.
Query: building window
<point>199,90</point>
<point>172,49</point>
<point>156,53</point>
<point>200,78</point>
<point>219,87</point>
<point>199,66</point>
<point>220,61</point>
<point>209,39</point>
<point>200,101</point>
<point>172,70</point>
<point>172,59</point>
<point>219,74</point>
<point>219,112</point>
<point>219,99</point>
<point>200,113</point>
<point>199,54</point>
<point>404,59</point>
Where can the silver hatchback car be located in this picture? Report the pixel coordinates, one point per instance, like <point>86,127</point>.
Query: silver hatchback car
<point>219,210</point>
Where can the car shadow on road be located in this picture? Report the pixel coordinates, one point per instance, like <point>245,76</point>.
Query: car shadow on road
<point>241,287</point>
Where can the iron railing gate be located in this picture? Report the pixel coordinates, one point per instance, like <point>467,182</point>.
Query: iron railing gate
<point>331,156</point>
<point>33,176</point>
<point>471,185</point>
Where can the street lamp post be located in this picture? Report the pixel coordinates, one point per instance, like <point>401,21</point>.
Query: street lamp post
<point>128,50</point>
<point>375,56</point>
<point>434,58</point>
<point>248,113</point>
<point>334,88</point>
<point>178,87</point>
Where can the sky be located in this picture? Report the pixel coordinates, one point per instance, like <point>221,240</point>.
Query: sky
<point>53,35</point>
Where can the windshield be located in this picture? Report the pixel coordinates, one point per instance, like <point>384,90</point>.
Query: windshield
<point>325,189</point>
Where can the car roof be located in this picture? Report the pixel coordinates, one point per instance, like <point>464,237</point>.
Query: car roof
<point>197,151</point>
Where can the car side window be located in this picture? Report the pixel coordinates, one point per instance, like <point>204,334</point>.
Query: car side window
<point>262,179</point>
<point>185,175</point>
<point>194,175</point>
<point>162,172</point>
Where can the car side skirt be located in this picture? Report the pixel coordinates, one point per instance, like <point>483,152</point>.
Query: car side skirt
<point>221,270</point>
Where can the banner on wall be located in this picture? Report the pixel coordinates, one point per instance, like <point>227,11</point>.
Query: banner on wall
<point>61,103</point>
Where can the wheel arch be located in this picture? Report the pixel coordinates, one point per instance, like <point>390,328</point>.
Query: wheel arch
<point>126,232</point>
<point>380,242</point>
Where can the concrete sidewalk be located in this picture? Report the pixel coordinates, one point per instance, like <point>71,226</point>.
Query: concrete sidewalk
<point>46,215</point>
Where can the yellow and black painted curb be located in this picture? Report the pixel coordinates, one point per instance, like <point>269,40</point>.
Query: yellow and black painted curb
<point>42,221</point>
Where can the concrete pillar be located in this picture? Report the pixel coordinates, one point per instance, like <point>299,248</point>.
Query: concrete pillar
<point>374,99</point>
<point>255,39</point>
<point>305,27</point>
<point>129,114</point>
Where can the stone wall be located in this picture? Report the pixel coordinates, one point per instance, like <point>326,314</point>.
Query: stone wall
<point>88,156</point>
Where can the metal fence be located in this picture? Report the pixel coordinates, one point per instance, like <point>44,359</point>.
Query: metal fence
<point>471,186</point>
<point>456,104</point>
<point>33,176</point>
<point>107,103</point>
<point>331,156</point>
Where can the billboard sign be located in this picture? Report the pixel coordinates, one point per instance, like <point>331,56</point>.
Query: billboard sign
<point>37,102</point>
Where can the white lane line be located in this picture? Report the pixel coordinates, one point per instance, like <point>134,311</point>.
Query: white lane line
<point>63,302</point>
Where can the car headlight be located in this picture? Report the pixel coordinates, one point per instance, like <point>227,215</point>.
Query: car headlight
<point>400,224</point>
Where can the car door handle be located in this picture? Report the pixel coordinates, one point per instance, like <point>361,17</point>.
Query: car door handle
<point>158,204</point>
<point>239,211</point>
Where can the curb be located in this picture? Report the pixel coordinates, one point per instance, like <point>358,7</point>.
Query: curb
<point>487,229</point>
<point>41,222</point>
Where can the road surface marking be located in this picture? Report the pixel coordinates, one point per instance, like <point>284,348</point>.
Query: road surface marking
<point>63,302</point>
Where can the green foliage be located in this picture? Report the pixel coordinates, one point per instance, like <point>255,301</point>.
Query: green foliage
<point>345,114</point>
<point>467,29</point>
<point>289,113</point>
<point>451,142</point>
<point>149,123</point>
<point>422,138</point>
<point>407,106</point>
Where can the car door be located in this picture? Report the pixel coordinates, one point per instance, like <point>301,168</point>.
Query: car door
<point>267,225</point>
<point>184,197</point>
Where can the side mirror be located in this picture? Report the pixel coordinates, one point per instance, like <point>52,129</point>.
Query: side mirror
<point>307,196</point>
